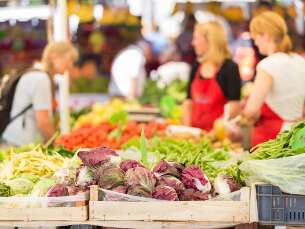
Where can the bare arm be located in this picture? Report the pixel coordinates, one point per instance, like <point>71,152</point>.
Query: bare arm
<point>44,124</point>
<point>234,109</point>
<point>187,112</point>
<point>262,86</point>
<point>133,89</point>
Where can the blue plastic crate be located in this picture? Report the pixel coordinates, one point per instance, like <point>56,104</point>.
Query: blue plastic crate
<point>278,208</point>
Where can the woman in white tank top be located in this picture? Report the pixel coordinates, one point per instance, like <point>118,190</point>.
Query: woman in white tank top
<point>278,97</point>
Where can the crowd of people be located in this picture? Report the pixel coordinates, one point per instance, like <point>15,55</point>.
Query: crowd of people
<point>214,91</point>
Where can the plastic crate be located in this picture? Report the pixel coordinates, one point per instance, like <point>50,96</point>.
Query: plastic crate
<point>278,208</point>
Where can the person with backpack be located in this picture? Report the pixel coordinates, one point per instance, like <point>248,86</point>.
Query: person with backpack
<point>27,99</point>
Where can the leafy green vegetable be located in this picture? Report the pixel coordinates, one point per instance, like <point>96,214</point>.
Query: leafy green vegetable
<point>20,186</point>
<point>177,90</point>
<point>61,151</point>
<point>151,93</point>
<point>120,118</point>
<point>29,176</point>
<point>288,173</point>
<point>187,152</point>
<point>280,147</point>
<point>143,149</point>
<point>5,190</point>
<point>42,186</point>
<point>167,106</point>
<point>297,141</point>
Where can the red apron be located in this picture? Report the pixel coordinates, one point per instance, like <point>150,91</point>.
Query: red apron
<point>208,102</point>
<point>267,127</point>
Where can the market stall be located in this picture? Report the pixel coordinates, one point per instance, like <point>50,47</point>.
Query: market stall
<point>130,163</point>
<point>134,206</point>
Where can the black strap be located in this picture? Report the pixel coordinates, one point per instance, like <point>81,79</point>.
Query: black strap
<point>21,112</point>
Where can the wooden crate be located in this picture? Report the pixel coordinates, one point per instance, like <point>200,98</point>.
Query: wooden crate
<point>235,212</point>
<point>52,213</point>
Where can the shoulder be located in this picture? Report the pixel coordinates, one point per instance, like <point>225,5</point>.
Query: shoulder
<point>35,78</point>
<point>36,75</point>
<point>131,53</point>
<point>229,69</point>
<point>228,64</point>
<point>299,59</point>
<point>276,59</point>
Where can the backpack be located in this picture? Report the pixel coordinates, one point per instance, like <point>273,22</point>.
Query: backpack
<point>8,85</point>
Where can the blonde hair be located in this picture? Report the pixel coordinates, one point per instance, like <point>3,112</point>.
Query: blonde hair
<point>59,49</point>
<point>216,38</point>
<point>273,25</point>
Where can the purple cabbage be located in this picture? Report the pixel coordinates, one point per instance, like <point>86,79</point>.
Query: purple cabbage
<point>194,178</point>
<point>171,181</point>
<point>163,192</point>
<point>140,177</point>
<point>193,195</point>
<point>97,156</point>
<point>225,184</point>
<point>130,164</point>
<point>84,177</point>
<point>138,190</point>
<point>58,190</point>
<point>110,176</point>
<point>168,168</point>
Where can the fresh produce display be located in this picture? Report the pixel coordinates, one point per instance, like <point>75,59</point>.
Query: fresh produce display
<point>106,134</point>
<point>279,162</point>
<point>288,143</point>
<point>101,113</point>
<point>165,180</point>
<point>30,170</point>
<point>201,154</point>
<point>151,93</point>
<point>154,90</point>
<point>36,162</point>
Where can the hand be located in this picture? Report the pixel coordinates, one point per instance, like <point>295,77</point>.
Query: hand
<point>233,130</point>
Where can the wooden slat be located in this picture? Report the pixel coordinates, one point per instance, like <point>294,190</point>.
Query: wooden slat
<point>94,193</point>
<point>183,211</point>
<point>158,225</point>
<point>40,223</point>
<point>119,224</point>
<point>253,205</point>
<point>56,213</point>
<point>196,211</point>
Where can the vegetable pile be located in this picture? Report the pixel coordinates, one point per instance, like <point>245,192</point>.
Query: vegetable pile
<point>154,90</point>
<point>35,161</point>
<point>201,154</point>
<point>107,134</point>
<point>165,180</point>
<point>30,170</point>
<point>279,162</point>
<point>288,143</point>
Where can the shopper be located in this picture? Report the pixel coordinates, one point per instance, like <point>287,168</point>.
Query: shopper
<point>128,70</point>
<point>277,100</point>
<point>35,90</point>
<point>215,80</point>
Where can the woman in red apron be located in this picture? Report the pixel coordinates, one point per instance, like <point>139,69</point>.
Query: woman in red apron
<point>215,80</point>
<point>278,96</point>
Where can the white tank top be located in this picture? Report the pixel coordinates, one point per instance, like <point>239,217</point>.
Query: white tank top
<point>287,96</point>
